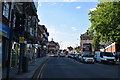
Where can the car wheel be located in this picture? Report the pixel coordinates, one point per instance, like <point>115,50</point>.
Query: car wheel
<point>96,61</point>
<point>102,61</point>
<point>83,61</point>
<point>113,63</point>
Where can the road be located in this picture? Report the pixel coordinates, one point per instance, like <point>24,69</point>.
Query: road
<point>63,67</point>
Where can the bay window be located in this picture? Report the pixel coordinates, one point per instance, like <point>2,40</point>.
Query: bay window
<point>6,9</point>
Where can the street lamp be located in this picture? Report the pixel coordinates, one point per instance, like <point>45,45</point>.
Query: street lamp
<point>79,41</point>
<point>60,44</point>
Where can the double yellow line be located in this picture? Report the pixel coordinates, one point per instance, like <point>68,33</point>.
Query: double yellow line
<point>42,70</point>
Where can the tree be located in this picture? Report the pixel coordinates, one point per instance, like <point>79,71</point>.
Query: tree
<point>105,22</point>
<point>70,48</point>
<point>77,49</point>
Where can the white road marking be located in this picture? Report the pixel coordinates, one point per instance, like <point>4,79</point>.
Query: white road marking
<point>41,70</point>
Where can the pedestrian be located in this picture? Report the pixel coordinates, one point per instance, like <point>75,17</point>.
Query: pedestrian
<point>116,56</point>
<point>29,56</point>
<point>119,56</point>
<point>58,54</point>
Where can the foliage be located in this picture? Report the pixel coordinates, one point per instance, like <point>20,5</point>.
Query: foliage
<point>77,51</point>
<point>105,22</point>
<point>70,48</point>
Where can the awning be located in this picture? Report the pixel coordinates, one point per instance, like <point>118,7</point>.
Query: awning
<point>37,45</point>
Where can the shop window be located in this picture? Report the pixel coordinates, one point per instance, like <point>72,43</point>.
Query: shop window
<point>6,9</point>
<point>14,59</point>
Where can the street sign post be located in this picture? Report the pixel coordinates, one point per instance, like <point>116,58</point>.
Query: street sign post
<point>21,39</point>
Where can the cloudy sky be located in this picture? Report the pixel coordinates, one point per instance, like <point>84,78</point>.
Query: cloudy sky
<point>65,21</point>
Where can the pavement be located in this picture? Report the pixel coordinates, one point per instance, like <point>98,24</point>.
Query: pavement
<point>31,70</point>
<point>0,73</point>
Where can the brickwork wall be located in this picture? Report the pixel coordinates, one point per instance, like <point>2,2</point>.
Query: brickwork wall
<point>111,48</point>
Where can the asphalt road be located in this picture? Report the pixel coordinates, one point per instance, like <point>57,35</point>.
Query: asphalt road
<point>63,67</point>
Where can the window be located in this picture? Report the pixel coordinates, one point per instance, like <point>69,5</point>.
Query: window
<point>6,9</point>
<point>109,54</point>
<point>14,19</point>
<point>101,54</point>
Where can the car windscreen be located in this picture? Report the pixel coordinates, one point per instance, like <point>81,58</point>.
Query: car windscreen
<point>88,55</point>
<point>109,54</point>
<point>73,54</point>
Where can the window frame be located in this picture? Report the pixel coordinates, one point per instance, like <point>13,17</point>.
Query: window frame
<point>6,8</point>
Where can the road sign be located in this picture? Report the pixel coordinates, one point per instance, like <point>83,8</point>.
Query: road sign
<point>21,39</point>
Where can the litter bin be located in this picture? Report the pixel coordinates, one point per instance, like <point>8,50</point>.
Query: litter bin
<point>25,64</point>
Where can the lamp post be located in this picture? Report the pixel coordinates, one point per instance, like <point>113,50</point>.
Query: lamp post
<point>44,47</point>
<point>61,45</point>
<point>78,41</point>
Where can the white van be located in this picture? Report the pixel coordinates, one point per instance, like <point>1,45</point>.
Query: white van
<point>104,57</point>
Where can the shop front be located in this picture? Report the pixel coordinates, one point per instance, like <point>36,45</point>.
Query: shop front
<point>5,35</point>
<point>15,54</point>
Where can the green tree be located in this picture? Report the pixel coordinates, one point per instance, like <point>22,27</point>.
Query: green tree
<point>70,48</point>
<point>105,22</point>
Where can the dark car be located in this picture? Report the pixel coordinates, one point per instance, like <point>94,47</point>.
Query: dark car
<point>71,55</point>
<point>79,56</point>
<point>62,55</point>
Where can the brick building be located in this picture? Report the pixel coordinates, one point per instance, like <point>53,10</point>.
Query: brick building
<point>53,47</point>
<point>112,47</point>
<point>42,40</point>
<point>85,38</point>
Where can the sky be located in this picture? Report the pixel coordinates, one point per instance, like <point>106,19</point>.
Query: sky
<point>65,21</point>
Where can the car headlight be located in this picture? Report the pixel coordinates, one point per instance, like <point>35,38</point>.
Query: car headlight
<point>105,59</point>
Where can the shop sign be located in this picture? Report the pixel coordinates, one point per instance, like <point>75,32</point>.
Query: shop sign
<point>21,39</point>
<point>4,30</point>
<point>46,40</point>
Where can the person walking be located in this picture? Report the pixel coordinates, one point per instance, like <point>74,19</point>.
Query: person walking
<point>119,56</point>
<point>116,56</point>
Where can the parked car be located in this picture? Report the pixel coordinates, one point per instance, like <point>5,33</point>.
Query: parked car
<point>71,55</point>
<point>56,55</point>
<point>80,56</point>
<point>87,58</point>
<point>76,56</point>
<point>104,57</point>
<point>62,55</point>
